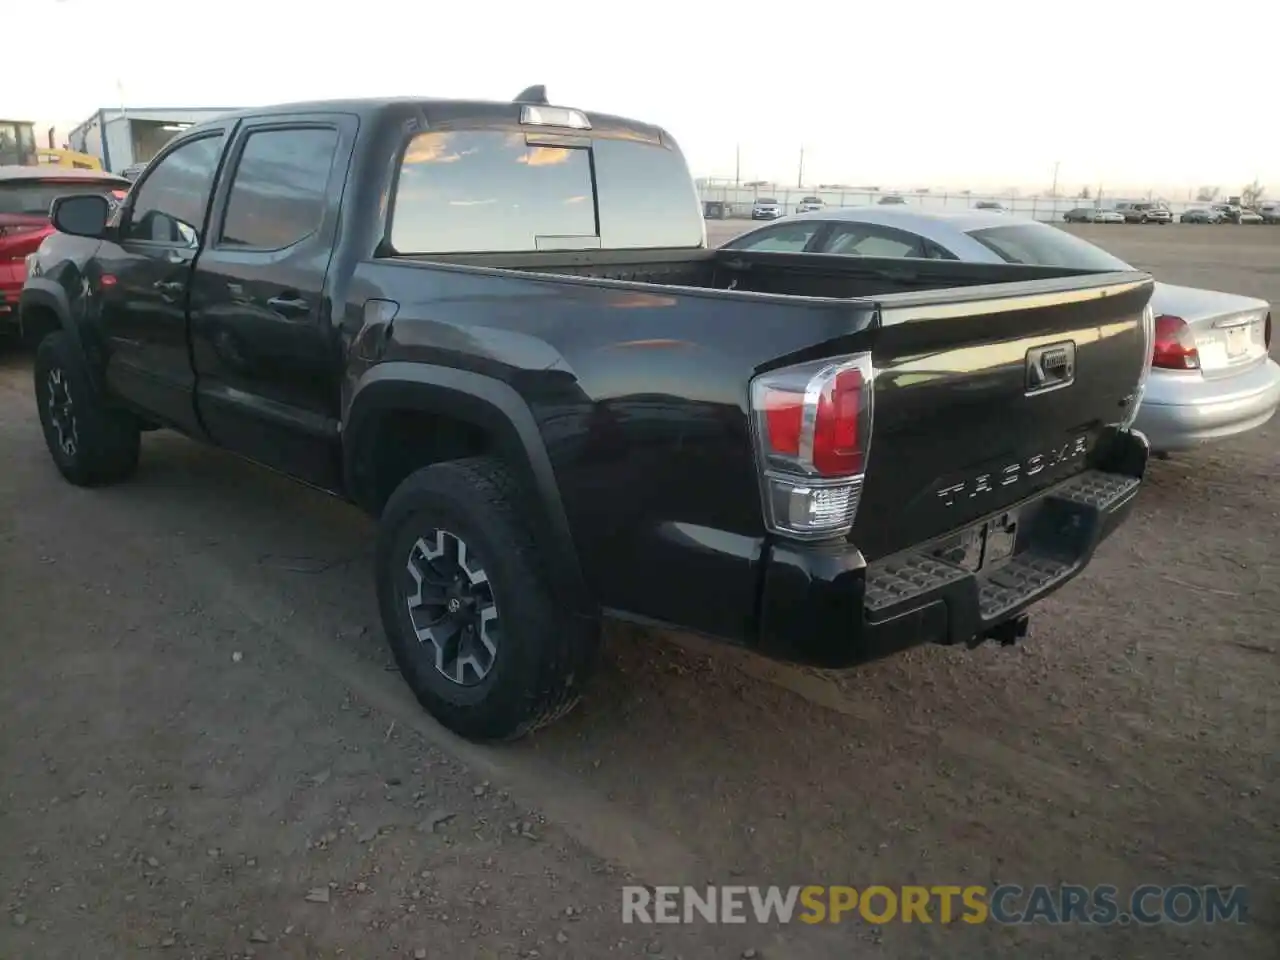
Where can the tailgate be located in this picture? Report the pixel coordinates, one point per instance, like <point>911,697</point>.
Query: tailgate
<point>997,393</point>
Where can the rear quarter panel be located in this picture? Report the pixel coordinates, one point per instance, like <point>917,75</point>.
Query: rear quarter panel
<point>641,399</point>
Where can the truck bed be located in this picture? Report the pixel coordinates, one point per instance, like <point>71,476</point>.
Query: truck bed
<point>785,274</point>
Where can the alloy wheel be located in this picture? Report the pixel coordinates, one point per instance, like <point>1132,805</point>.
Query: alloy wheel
<point>62,413</point>
<point>451,607</point>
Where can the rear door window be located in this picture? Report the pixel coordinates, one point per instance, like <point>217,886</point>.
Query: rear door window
<point>279,189</point>
<point>871,240</point>
<point>505,192</point>
<point>788,238</point>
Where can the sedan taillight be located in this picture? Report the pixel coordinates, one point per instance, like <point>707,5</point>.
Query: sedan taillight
<point>1175,345</point>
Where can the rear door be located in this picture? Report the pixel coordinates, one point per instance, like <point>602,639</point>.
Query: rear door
<point>267,359</point>
<point>145,275</point>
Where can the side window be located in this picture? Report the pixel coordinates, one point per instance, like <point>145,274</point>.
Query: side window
<point>169,205</point>
<point>488,192</point>
<point>788,238</point>
<point>934,252</point>
<point>278,192</point>
<point>869,240</point>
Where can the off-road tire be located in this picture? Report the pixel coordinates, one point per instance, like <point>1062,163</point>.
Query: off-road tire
<point>107,441</point>
<point>544,653</point>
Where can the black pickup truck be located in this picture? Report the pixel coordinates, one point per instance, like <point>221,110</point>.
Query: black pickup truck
<point>497,327</point>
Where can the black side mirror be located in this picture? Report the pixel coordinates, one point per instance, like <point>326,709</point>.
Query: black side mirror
<point>81,215</point>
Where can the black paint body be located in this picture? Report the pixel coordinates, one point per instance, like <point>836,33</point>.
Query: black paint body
<point>616,380</point>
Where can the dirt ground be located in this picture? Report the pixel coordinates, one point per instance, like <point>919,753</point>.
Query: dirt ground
<point>205,753</point>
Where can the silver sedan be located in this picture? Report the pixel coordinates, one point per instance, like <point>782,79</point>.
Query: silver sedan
<point>1211,377</point>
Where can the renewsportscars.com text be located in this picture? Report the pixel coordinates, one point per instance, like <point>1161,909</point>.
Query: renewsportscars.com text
<point>1005,904</point>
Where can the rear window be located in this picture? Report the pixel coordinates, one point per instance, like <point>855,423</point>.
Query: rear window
<point>497,192</point>
<point>1038,244</point>
<point>33,197</point>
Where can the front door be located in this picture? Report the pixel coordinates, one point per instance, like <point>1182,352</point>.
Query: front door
<point>146,269</point>
<point>267,357</point>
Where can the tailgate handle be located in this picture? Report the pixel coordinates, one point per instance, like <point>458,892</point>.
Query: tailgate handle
<point>1051,367</point>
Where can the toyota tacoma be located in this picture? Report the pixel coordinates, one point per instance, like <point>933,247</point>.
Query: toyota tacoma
<point>497,328</point>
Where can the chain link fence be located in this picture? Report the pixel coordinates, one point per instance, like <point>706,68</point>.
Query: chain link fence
<point>739,199</point>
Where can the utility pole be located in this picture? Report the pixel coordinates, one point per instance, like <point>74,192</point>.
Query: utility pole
<point>737,165</point>
<point>1053,191</point>
<point>800,175</point>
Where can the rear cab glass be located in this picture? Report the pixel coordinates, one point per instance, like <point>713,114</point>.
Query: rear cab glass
<point>501,191</point>
<point>1037,244</point>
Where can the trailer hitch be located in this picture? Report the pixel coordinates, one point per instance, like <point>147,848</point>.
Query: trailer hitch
<point>1006,634</point>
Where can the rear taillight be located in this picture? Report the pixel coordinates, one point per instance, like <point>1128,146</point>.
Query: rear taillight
<point>1175,345</point>
<point>812,425</point>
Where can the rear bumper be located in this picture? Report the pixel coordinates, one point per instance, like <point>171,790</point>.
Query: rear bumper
<point>826,607</point>
<point>1180,412</point>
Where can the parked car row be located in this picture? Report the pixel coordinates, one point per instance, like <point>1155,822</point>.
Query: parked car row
<point>767,208</point>
<point>1211,373</point>
<point>1093,215</point>
<point>1154,213</point>
<point>1121,213</point>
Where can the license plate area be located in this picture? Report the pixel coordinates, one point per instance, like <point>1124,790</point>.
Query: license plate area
<point>983,546</point>
<point>1238,340</point>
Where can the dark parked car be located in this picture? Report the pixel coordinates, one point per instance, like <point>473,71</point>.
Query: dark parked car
<point>559,404</point>
<point>1080,215</point>
<point>1200,215</point>
<point>1144,212</point>
<point>716,209</point>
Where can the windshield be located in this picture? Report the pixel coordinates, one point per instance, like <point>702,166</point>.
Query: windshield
<point>1038,244</point>
<point>34,197</point>
<point>766,200</point>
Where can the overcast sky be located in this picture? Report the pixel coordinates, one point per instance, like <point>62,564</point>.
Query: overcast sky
<point>983,93</point>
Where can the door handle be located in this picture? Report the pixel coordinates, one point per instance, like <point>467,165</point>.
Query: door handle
<point>289,305</point>
<point>172,288</point>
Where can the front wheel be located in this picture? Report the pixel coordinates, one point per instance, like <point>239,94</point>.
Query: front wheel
<point>468,607</point>
<point>90,443</point>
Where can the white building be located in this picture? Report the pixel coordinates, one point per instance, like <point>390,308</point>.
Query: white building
<point>121,137</point>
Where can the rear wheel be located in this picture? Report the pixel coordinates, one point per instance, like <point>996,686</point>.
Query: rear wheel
<point>90,443</point>
<point>468,607</point>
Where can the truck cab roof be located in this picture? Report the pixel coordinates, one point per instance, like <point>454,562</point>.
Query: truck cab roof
<point>444,111</point>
